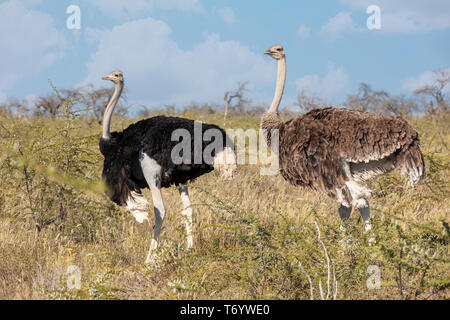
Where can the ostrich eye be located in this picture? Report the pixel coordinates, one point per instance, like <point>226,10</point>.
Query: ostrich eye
<point>279,49</point>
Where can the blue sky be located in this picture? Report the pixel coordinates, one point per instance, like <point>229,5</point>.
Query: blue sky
<point>179,51</point>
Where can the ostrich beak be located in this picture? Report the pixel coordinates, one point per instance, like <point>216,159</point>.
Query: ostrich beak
<point>107,78</point>
<point>268,52</point>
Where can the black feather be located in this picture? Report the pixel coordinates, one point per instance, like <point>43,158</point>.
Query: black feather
<point>122,172</point>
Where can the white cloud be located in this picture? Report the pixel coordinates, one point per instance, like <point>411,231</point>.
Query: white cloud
<point>339,25</point>
<point>128,9</point>
<point>424,79</point>
<point>331,86</point>
<point>93,35</point>
<point>31,3</point>
<point>304,32</point>
<point>408,16</point>
<point>227,15</point>
<point>158,71</point>
<point>30,42</point>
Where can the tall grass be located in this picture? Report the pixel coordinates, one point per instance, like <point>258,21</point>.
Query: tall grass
<point>255,237</point>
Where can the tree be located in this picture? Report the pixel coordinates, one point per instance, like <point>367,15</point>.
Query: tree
<point>47,106</point>
<point>379,102</point>
<point>95,100</point>
<point>88,100</point>
<point>15,106</point>
<point>235,95</point>
<point>307,102</point>
<point>366,99</point>
<point>436,91</point>
<point>397,106</point>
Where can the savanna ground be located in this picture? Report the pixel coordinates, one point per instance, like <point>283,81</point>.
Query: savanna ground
<point>252,234</point>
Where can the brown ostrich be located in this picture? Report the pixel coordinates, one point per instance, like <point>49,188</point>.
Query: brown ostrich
<point>336,150</point>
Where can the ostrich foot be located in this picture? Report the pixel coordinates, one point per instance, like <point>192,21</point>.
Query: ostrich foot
<point>370,235</point>
<point>153,261</point>
<point>190,242</point>
<point>346,241</point>
<point>152,256</point>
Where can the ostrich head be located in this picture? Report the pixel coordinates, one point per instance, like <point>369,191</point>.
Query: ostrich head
<point>276,52</point>
<point>115,76</point>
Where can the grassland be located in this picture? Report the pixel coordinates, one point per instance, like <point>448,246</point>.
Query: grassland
<point>252,234</point>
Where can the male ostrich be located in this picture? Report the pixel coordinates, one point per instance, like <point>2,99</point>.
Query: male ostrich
<point>141,157</point>
<point>336,150</point>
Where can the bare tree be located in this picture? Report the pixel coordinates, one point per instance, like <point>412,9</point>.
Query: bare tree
<point>380,102</point>
<point>86,99</point>
<point>92,101</point>
<point>235,95</point>
<point>366,99</point>
<point>397,106</point>
<point>170,108</point>
<point>145,112</point>
<point>15,106</point>
<point>436,91</point>
<point>47,106</point>
<point>308,102</point>
<point>95,100</point>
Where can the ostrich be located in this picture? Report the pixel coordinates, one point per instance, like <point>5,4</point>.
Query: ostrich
<point>141,157</point>
<point>336,150</point>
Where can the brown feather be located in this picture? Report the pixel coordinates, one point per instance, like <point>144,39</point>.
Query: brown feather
<point>313,145</point>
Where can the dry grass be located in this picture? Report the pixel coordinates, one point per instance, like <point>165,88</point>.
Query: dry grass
<point>250,233</point>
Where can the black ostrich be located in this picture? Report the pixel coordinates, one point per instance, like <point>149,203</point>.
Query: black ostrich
<point>142,156</point>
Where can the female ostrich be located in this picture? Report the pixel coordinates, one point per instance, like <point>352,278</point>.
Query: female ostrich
<point>142,157</point>
<point>335,150</point>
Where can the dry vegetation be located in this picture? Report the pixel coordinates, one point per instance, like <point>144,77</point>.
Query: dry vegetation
<point>255,237</point>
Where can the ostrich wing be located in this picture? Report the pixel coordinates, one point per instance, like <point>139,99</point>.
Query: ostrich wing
<point>361,137</point>
<point>313,146</point>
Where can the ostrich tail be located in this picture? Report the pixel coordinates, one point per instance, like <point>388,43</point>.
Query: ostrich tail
<point>411,163</point>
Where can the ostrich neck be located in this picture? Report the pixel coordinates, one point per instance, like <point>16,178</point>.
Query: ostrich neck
<point>110,109</point>
<point>271,120</point>
<point>281,82</point>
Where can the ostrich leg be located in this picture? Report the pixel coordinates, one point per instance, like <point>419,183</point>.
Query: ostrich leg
<point>187,214</point>
<point>160,213</point>
<point>358,193</point>
<point>152,174</point>
<point>364,209</point>
<point>344,213</point>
